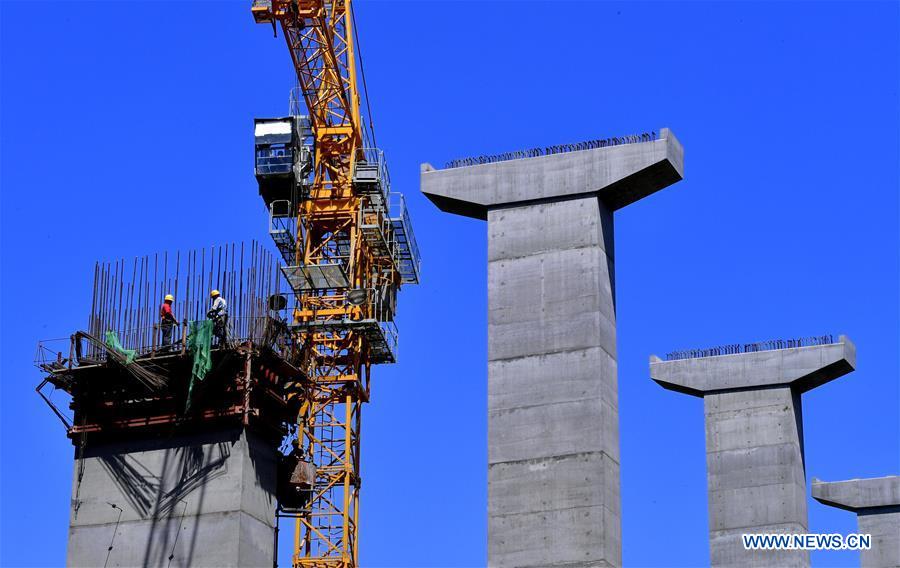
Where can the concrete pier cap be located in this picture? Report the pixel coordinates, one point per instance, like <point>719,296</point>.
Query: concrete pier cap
<point>618,175</point>
<point>801,368</point>
<point>858,494</point>
<point>876,502</point>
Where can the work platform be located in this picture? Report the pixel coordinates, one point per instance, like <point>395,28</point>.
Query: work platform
<point>111,401</point>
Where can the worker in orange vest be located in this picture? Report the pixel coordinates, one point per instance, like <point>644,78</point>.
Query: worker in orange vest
<point>167,322</point>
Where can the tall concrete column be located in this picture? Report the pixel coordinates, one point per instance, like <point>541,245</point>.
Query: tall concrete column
<point>876,502</point>
<point>206,499</point>
<point>553,425</point>
<point>754,441</point>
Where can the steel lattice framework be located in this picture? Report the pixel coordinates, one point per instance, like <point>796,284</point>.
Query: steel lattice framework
<point>337,349</point>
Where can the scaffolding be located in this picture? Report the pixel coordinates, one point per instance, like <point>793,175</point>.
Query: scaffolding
<point>126,380</point>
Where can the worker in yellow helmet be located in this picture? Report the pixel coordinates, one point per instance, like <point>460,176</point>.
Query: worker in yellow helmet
<point>167,322</point>
<point>218,313</point>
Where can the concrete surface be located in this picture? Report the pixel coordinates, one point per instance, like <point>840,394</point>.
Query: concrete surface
<point>553,439</point>
<point>199,500</point>
<point>756,477</point>
<point>876,502</point>
<point>553,426</point>
<point>619,175</point>
<point>803,368</point>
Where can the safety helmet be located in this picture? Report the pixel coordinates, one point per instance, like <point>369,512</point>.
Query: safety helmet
<point>169,298</point>
<point>214,293</point>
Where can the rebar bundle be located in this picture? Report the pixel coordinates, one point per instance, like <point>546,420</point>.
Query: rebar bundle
<point>140,370</point>
<point>549,150</point>
<point>735,348</point>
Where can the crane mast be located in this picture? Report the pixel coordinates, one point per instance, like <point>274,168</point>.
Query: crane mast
<point>351,250</point>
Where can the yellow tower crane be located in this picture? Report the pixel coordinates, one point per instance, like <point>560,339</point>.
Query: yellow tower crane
<point>351,250</point>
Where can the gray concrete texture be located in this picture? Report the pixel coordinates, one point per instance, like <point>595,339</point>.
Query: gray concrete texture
<point>756,478</point>
<point>553,455</point>
<point>553,427</point>
<point>619,175</point>
<point>199,500</point>
<point>803,368</point>
<point>876,502</point>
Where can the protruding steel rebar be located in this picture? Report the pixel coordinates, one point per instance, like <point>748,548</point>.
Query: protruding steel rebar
<point>128,302</point>
<point>736,348</point>
<point>557,149</point>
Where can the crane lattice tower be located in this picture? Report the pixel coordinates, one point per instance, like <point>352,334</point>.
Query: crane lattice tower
<point>348,247</point>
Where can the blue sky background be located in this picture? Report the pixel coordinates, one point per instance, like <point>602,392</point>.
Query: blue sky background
<point>126,129</point>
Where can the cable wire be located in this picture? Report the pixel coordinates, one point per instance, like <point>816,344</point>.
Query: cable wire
<point>115,530</point>
<point>362,72</point>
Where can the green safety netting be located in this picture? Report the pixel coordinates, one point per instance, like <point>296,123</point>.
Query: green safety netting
<point>199,343</point>
<point>112,341</point>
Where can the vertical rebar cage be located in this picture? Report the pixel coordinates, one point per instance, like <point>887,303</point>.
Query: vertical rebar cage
<point>128,294</point>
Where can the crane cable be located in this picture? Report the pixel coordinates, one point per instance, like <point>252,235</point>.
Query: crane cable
<point>362,71</point>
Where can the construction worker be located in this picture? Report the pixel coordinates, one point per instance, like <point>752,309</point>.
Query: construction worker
<point>167,322</point>
<point>218,313</point>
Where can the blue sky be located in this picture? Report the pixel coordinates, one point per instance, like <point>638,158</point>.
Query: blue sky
<point>126,129</point>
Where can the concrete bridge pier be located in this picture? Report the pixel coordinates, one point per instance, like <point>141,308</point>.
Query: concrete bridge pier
<point>876,502</point>
<point>197,499</point>
<point>756,477</point>
<point>553,422</point>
